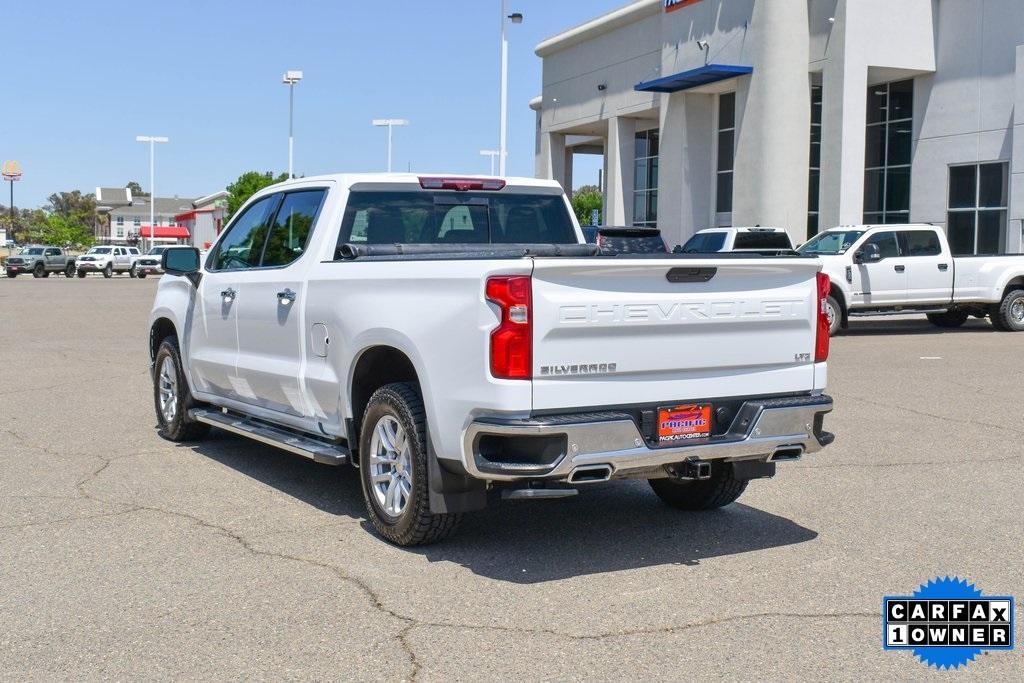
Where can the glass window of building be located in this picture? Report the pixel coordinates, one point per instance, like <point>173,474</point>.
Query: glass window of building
<point>645,179</point>
<point>726,150</point>
<point>814,176</point>
<point>887,155</point>
<point>976,222</point>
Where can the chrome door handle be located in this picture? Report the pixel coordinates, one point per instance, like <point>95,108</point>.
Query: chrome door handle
<point>228,295</point>
<point>286,297</point>
<point>899,269</point>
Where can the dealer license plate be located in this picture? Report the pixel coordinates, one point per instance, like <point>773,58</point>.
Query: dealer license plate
<point>684,423</point>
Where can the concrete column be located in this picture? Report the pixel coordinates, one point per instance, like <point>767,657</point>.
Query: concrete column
<point>552,158</point>
<point>567,171</point>
<point>843,118</point>
<point>774,122</point>
<point>1014,238</point>
<point>619,159</point>
<point>686,178</point>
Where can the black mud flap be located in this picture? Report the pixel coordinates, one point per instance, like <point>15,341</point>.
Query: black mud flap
<point>452,492</point>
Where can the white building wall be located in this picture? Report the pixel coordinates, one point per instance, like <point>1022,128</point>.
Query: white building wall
<point>963,55</point>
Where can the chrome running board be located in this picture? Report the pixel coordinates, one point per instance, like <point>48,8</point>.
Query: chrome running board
<point>319,450</point>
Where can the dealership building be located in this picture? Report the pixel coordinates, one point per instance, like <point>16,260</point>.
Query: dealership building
<point>803,114</point>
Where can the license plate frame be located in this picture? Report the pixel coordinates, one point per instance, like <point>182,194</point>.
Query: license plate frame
<point>683,423</point>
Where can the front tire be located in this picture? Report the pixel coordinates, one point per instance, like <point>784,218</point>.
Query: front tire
<point>1008,316</point>
<point>39,271</point>
<point>141,276</point>
<point>707,494</point>
<point>949,318</point>
<point>172,397</point>
<point>108,272</point>
<point>11,275</point>
<point>393,468</point>
<point>81,273</point>
<point>835,315</point>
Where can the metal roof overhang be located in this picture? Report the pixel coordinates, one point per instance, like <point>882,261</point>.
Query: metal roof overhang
<point>694,78</point>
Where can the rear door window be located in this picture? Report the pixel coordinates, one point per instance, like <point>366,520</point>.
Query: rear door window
<point>292,227</point>
<point>921,243</point>
<point>424,217</point>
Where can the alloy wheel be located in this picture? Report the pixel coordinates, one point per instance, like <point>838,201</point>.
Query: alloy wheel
<point>168,388</point>
<point>390,466</point>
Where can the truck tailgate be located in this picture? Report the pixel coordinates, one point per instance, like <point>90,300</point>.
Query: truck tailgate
<point>642,331</point>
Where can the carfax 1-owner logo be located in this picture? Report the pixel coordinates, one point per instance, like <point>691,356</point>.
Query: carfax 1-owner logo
<point>947,622</point>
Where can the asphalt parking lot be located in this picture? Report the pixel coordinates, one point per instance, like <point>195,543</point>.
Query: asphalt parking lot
<point>125,556</point>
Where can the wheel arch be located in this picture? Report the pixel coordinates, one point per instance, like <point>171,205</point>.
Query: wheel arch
<point>837,293</point>
<point>1016,282</point>
<point>373,368</point>
<point>161,329</point>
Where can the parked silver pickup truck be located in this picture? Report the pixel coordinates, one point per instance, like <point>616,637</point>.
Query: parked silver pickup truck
<point>40,261</point>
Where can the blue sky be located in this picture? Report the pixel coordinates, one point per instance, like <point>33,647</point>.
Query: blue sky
<point>81,80</point>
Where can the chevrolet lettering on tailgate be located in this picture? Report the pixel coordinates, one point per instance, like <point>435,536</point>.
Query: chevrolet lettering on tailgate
<point>681,311</point>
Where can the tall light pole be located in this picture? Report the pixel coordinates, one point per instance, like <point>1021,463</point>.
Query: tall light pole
<point>11,171</point>
<point>389,124</point>
<point>492,153</point>
<point>152,140</point>
<point>290,78</point>
<point>515,18</point>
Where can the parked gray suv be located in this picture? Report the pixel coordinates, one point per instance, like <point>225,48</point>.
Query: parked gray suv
<point>40,260</point>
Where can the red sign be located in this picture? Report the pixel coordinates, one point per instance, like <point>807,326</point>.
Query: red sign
<point>682,423</point>
<point>673,5</point>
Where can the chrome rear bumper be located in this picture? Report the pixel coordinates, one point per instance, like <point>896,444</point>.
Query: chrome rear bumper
<point>772,429</point>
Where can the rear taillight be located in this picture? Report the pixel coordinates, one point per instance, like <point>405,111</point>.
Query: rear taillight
<point>512,339</point>
<point>822,338</point>
<point>461,184</point>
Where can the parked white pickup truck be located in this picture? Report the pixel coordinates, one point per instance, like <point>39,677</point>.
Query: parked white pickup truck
<point>756,239</point>
<point>452,335</point>
<point>896,269</point>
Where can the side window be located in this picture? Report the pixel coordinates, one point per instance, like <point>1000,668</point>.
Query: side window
<point>887,244</point>
<point>921,243</point>
<point>292,227</point>
<point>52,252</point>
<point>242,245</point>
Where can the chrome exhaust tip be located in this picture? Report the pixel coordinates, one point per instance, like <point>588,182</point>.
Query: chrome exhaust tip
<point>590,474</point>
<point>786,453</point>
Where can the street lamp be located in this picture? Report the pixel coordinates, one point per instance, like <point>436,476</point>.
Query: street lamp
<point>152,140</point>
<point>290,78</point>
<point>515,18</point>
<point>492,153</point>
<point>11,171</point>
<point>390,123</point>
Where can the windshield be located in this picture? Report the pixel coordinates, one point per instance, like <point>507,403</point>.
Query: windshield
<point>99,250</point>
<point>33,252</point>
<point>704,243</point>
<point>156,251</point>
<point>831,243</point>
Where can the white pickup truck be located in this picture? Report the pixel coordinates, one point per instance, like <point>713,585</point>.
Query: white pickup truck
<point>448,336</point>
<point>896,269</point>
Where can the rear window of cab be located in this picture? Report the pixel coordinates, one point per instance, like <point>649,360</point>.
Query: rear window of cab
<point>445,217</point>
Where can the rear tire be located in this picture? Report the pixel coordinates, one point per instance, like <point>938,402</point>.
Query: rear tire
<point>393,468</point>
<point>108,272</point>
<point>708,494</point>
<point>949,318</point>
<point>835,315</point>
<point>1009,315</point>
<point>172,397</point>
<point>69,270</point>
<point>131,271</point>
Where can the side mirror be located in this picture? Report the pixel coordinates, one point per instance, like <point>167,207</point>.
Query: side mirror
<point>869,253</point>
<point>182,261</point>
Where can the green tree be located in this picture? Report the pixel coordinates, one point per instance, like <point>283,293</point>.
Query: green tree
<point>136,189</point>
<point>584,201</point>
<point>248,184</point>
<point>63,231</point>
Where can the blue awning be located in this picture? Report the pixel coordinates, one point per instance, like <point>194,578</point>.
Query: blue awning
<point>709,73</point>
